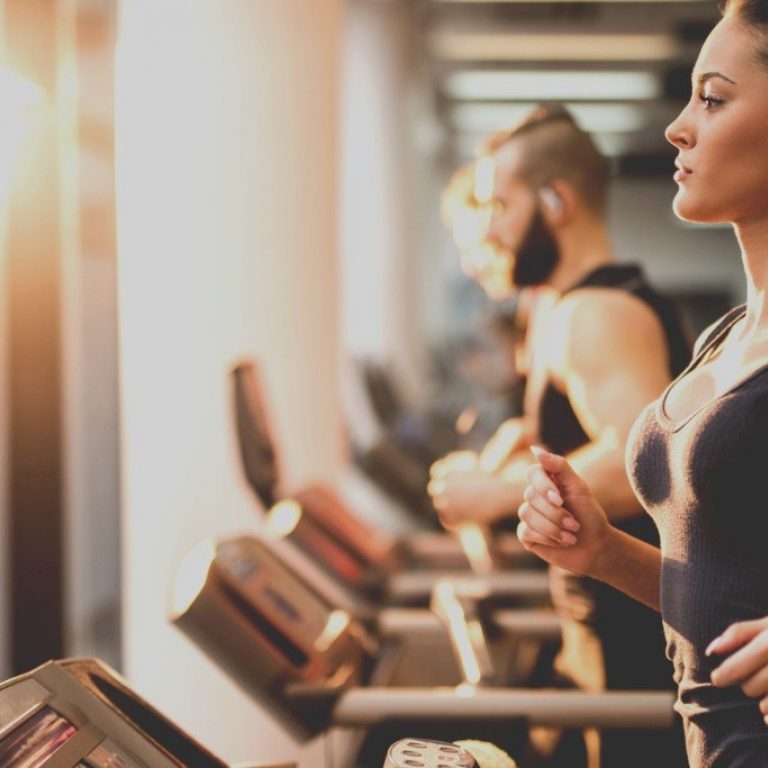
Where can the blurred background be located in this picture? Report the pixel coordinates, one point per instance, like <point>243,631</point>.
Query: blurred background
<point>184,183</point>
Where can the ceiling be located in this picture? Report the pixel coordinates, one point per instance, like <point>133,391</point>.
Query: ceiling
<point>623,65</point>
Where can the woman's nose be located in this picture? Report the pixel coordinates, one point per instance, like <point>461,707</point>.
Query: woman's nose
<point>679,132</point>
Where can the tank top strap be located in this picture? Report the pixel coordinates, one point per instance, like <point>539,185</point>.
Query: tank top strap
<point>725,322</point>
<point>625,277</point>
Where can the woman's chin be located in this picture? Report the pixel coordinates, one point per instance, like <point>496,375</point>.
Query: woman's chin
<point>687,209</point>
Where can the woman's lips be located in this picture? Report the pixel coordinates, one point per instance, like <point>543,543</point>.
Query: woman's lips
<point>682,173</point>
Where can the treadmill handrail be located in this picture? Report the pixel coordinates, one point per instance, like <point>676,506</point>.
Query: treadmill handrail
<point>418,585</point>
<point>465,632</point>
<point>570,709</point>
<point>534,623</point>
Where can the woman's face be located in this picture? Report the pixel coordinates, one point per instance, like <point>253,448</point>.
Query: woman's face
<point>722,134</point>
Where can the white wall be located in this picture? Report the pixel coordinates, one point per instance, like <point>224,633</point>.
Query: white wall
<point>226,148</point>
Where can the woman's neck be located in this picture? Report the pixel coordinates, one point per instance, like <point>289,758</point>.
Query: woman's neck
<point>753,241</point>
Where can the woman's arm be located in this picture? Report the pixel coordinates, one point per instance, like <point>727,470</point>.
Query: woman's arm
<point>633,566</point>
<point>562,522</point>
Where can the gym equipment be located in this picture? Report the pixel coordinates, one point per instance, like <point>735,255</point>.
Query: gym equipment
<point>79,713</point>
<point>315,666</point>
<point>353,552</point>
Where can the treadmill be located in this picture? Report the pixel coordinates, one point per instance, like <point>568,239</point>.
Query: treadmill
<point>79,713</point>
<point>316,667</point>
<point>398,447</point>
<point>355,553</point>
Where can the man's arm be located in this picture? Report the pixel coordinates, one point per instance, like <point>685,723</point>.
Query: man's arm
<point>606,350</point>
<point>613,363</point>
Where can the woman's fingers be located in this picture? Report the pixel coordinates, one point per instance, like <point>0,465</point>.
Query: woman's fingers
<point>543,526</point>
<point>554,512</point>
<point>756,685</point>
<point>531,538</point>
<point>548,499</point>
<point>764,708</point>
<point>745,664</point>
<point>559,471</point>
<point>542,483</point>
<point>737,635</point>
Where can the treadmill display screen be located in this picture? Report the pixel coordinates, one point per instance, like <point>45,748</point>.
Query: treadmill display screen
<point>35,740</point>
<point>283,606</point>
<point>109,755</point>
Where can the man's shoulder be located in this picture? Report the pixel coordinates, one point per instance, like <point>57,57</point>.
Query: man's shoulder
<point>599,310</point>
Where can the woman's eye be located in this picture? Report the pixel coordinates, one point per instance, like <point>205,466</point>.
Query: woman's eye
<point>710,102</point>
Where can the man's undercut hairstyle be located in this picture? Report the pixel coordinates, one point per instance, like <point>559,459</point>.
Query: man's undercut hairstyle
<point>753,14</point>
<point>553,146</point>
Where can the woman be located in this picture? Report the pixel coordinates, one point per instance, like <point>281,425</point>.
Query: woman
<point>696,457</point>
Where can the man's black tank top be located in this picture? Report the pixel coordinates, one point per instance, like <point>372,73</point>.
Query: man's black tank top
<point>559,428</point>
<point>631,635</point>
<point>702,479</point>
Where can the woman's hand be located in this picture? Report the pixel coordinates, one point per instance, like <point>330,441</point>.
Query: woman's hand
<point>560,519</point>
<point>747,665</point>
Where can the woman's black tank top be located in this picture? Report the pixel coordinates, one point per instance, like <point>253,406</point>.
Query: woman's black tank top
<point>702,479</point>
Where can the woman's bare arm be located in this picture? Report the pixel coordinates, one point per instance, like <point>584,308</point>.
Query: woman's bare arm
<point>562,522</point>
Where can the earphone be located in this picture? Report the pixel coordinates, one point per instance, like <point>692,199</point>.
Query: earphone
<point>551,199</point>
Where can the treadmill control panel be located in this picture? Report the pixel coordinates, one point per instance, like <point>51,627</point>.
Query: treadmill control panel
<point>266,583</point>
<point>80,714</point>
<point>268,627</point>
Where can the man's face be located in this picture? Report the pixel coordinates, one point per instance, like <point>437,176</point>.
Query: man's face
<point>497,224</point>
<point>495,216</point>
<point>511,199</point>
<point>518,233</point>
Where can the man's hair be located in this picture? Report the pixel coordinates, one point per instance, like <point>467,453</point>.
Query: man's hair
<point>553,146</point>
<point>753,14</point>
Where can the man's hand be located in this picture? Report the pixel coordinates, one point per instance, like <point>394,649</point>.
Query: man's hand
<point>462,492</point>
<point>512,436</point>
<point>747,664</point>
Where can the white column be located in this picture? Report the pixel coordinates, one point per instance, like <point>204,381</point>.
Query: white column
<point>5,569</point>
<point>227,155</point>
<point>380,204</point>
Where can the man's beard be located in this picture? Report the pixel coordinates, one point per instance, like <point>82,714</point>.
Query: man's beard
<point>537,255</point>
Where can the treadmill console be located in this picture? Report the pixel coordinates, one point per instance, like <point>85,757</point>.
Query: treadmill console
<point>81,714</point>
<point>257,449</point>
<point>320,523</point>
<point>267,626</point>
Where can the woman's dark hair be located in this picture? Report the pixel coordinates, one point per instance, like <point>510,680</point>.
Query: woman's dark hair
<point>753,14</point>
